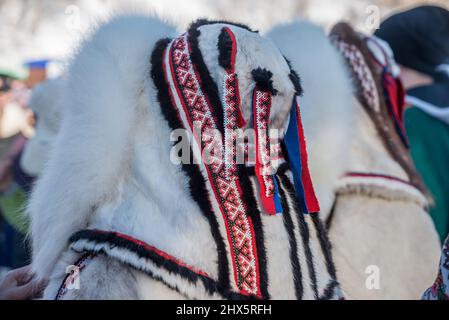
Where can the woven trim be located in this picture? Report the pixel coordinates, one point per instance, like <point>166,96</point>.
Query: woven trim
<point>191,282</point>
<point>70,278</point>
<point>367,76</point>
<point>365,81</point>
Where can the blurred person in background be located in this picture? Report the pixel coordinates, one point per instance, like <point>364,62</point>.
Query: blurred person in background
<point>37,72</point>
<point>12,123</point>
<point>16,127</point>
<point>28,163</point>
<point>440,288</point>
<point>419,39</point>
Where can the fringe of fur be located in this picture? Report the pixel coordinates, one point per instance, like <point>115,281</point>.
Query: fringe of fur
<point>189,284</point>
<point>381,188</point>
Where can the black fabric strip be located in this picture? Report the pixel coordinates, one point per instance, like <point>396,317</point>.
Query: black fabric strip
<point>303,231</point>
<point>294,257</point>
<point>253,211</point>
<point>208,85</point>
<point>197,184</point>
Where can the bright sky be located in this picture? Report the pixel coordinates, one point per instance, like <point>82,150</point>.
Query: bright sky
<point>53,28</point>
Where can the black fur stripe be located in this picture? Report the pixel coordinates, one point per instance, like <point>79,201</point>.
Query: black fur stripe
<point>295,79</point>
<point>329,291</point>
<point>289,226</point>
<point>203,22</point>
<point>304,232</point>
<point>197,184</point>
<point>325,244</point>
<point>224,49</point>
<point>330,217</point>
<point>253,211</point>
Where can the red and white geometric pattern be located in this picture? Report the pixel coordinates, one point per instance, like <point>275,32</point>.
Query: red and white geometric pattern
<point>361,71</point>
<point>264,171</point>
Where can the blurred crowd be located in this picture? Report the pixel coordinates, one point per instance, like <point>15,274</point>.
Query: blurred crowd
<point>21,100</point>
<point>16,125</point>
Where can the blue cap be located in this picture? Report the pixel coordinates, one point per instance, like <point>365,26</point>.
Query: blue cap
<point>37,64</point>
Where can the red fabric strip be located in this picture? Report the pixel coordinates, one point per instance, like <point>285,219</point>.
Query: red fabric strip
<point>309,192</point>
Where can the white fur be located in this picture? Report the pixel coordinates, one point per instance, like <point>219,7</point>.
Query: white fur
<point>394,237</point>
<point>326,109</point>
<point>110,166</point>
<point>105,169</point>
<point>89,159</point>
<point>190,290</point>
<point>252,53</point>
<point>46,105</point>
<point>383,188</point>
<point>341,138</point>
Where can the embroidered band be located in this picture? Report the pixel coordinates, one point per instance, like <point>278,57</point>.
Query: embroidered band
<point>269,193</point>
<point>193,107</point>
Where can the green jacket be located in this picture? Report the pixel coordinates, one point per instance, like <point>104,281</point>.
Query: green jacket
<point>429,145</point>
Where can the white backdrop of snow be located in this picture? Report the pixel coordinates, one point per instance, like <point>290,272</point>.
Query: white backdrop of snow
<point>53,28</point>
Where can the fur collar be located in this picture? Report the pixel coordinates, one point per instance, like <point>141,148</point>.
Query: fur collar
<point>132,187</point>
<point>367,76</point>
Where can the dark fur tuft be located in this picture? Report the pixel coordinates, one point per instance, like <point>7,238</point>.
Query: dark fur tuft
<point>203,22</point>
<point>263,80</point>
<point>295,79</point>
<point>224,49</point>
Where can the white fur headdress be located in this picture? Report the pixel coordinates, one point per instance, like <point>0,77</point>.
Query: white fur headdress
<point>245,251</point>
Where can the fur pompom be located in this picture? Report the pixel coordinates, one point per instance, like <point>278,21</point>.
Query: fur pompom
<point>263,80</point>
<point>224,49</point>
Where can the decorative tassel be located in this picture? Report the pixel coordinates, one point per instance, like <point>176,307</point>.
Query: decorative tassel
<point>269,193</point>
<point>297,153</point>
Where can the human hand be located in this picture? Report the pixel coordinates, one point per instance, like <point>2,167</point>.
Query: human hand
<point>18,284</point>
